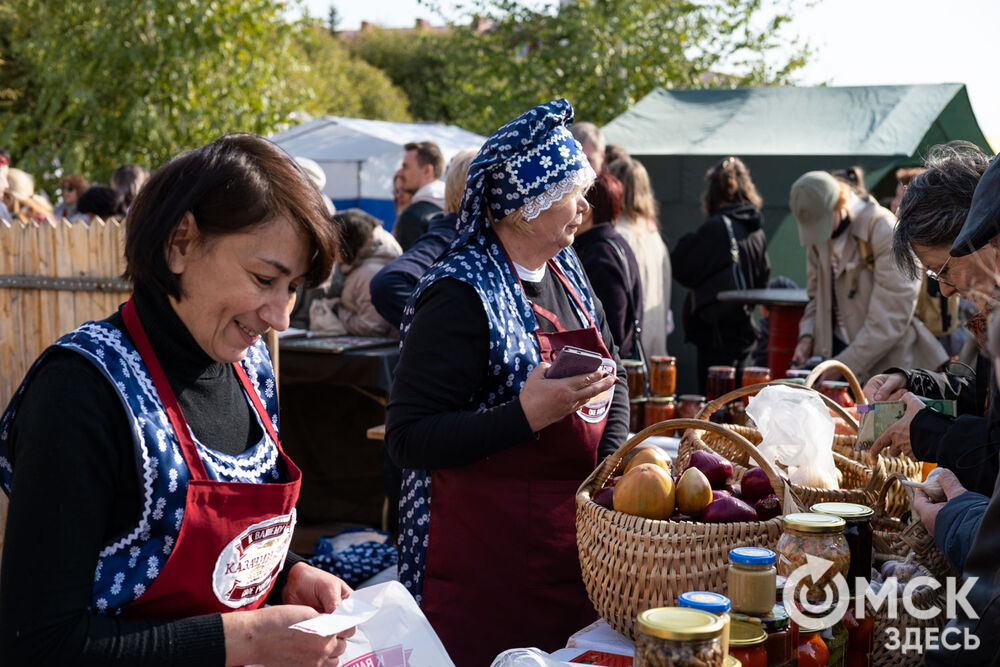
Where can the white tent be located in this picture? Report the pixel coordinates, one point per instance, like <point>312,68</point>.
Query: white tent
<point>360,157</point>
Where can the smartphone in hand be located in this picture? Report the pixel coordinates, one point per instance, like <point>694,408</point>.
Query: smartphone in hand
<point>571,361</point>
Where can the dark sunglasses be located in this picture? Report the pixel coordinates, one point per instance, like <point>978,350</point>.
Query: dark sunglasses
<point>69,188</point>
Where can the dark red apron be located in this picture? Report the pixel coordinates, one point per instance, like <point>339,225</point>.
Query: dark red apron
<point>502,568</point>
<point>234,535</point>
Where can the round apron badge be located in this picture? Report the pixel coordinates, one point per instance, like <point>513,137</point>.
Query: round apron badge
<point>597,408</point>
<point>248,565</point>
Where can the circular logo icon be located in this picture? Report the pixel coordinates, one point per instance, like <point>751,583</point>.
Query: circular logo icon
<point>247,566</point>
<point>814,569</point>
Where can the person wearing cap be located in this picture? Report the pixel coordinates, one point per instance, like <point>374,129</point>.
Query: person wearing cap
<point>931,214</point>
<point>860,309</point>
<point>22,202</point>
<point>493,450</point>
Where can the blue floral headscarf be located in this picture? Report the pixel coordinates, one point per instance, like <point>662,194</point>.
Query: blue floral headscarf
<point>529,164</point>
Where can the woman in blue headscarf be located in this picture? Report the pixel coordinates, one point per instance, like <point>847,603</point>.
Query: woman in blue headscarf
<point>494,450</point>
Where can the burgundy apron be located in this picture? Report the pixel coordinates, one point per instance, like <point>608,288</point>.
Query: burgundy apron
<point>502,568</point>
<point>234,536</point>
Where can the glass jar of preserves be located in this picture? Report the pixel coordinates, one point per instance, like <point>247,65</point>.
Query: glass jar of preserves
<point>819,535</point>
<point>660,409</point>
<point>721,381</point>
<point>782,635</point>
<point>754,375</point>
<point>635,375</point>
<point>751,579</point>
<point>636,414</point>
<point>673,636</point>
<point>860,637</point>
<point>747,643</point>
<point>713,603</point>
<point>662,375</point>
<point>797,374</point>
<point>858,533</point>
<point>838,393</point>
<point>689,405</point>
<point>812,651</point>
<point>834,636</point>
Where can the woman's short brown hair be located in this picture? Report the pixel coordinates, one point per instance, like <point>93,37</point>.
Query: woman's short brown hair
<point>231,185</point>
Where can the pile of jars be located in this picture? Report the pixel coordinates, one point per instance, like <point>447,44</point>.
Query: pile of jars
<point>722,379</point>
<point>652,399</point>
<point>752,627</point>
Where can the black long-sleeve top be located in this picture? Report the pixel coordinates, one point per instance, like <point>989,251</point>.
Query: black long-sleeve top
<point>443,361</point>
<point>76,487</point>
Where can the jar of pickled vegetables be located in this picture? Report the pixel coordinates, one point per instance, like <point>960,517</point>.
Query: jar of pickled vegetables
<point>747,643</point>
<point>858,533</point>
<point>674,637</point>
<point>834,635</point>
<point>636,414</point>
<point>782,635</point>
<point>660,409</point>
<point>819,535</point>
<point>860,638</point>
<point>635,375</point>
<point>662,375</point>
<point>812,650</point>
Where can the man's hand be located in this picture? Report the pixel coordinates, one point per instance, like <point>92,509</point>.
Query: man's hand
<point>896,439</point>
<point>927,509</point>
<point>885,387</point>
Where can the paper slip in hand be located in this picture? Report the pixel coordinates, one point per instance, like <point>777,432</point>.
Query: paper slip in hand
<point>351,612</point>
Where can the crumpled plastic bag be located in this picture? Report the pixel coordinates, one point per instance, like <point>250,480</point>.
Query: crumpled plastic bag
<point>797,431</point>
<point>322,319</point>
<point>526,657</point>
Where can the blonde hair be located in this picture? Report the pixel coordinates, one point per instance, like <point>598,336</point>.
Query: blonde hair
<point>638,202</point>
<point>454,179</point>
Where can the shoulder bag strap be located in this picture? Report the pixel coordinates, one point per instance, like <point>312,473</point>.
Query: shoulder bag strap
<point>636,327</point>
<point>734,254</point>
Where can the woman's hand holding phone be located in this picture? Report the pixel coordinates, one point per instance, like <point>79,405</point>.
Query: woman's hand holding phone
<point>546,400</point>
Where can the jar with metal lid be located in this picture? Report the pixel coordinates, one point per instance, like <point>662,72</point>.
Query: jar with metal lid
<point>860,637</point>
<point>751,579</point>
<point>819,535</point>
<point>635,376</point>
<point>812,650</point>
<point>689,405</point>
<point>754,375</point>
<point>797,374</point>
<point>838,392</point>
<point>858,533</point>
<point>834,636</point>
<point>662,375</point>
<point>732,662</point>
<point>674,636</point>
<point>748,644</point>
<point>782,635</point>
<point>721,380</point>
<point>660,409</point>
<point>713,603</point>
<point>636,414</point>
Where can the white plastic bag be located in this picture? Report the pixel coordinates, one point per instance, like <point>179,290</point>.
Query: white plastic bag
<point>526,657</point>
<point>391,629</point>
<point>797,431</point>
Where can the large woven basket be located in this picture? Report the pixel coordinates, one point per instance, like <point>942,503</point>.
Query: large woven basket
<point>895,539</point>
<point>897,502</point>
<point>924,598</point>
<point>631,564</point>
<point>859,483</point>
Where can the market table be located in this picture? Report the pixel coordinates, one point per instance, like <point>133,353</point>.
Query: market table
<point>331,394</point>
<point>786,307</point>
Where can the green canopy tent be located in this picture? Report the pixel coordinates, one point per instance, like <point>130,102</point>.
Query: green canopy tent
<point>781,133</point>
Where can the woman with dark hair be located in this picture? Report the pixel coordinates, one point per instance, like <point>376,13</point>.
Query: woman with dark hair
<point>705,263</point>
<point>610,264</point>
<point>149,494</point>
<point>126,181</point>
<point>99,202</point>
<point>71,188</point>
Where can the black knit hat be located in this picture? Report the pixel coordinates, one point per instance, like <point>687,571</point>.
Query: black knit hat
<point>983,221</point>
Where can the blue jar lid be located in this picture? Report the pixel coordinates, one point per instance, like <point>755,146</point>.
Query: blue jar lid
<point>751,556</point>
<point>704,601</point>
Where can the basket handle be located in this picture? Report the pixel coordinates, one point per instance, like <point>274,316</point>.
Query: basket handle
<point>852,379</point>
<point>607,469</point>
<point>892,478</point>
<point>740,392</point>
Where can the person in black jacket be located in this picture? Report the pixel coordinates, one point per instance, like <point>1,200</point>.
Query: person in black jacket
<point>610,264</point>
<point>723,333</point>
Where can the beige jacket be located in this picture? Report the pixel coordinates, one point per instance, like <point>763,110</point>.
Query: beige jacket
<point>655,278</point>
<point>355,309</point>
<point>881,327</point>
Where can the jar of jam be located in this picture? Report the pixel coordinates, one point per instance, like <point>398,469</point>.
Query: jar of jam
<point>672,636</point>
<point>858,533</point>
<point>713,603</point>
<point>659,409</point>
<point>747,643</point>
<point>834,635</point>
<point>635,375</point>
<point>812,651</point>
<point>751,579</point>
<point>782,635</point>
<point>838,392</point>
<point>636,414</point>
<point>721,381</point>
<point>860,637</point>
<point>819,535</point>
<point>662,375</point>
<point>689,406</point>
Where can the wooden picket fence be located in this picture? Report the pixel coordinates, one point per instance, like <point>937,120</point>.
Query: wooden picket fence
<point>53,277</point>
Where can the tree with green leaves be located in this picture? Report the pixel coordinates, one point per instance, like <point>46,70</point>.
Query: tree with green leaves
<point>602,55</point>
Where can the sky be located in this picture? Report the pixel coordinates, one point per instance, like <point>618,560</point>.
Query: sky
<point>855,42</point>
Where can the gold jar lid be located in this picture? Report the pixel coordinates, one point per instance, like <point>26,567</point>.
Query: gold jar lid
<point>843,510</point>
<point>680,623</point>
<point>732,661</point>
<point>632,363</point>
<point>691,398</point>
<point>661,399</point>
<point>808,522</point>
<point>742,633</point>
<point>662,358</point>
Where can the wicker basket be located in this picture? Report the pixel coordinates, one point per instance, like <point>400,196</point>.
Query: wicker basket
<point>631,564</point>
<point>852,379</point>
<point>859,483</point>
<point>896,539</point>
<point>925,598</point>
